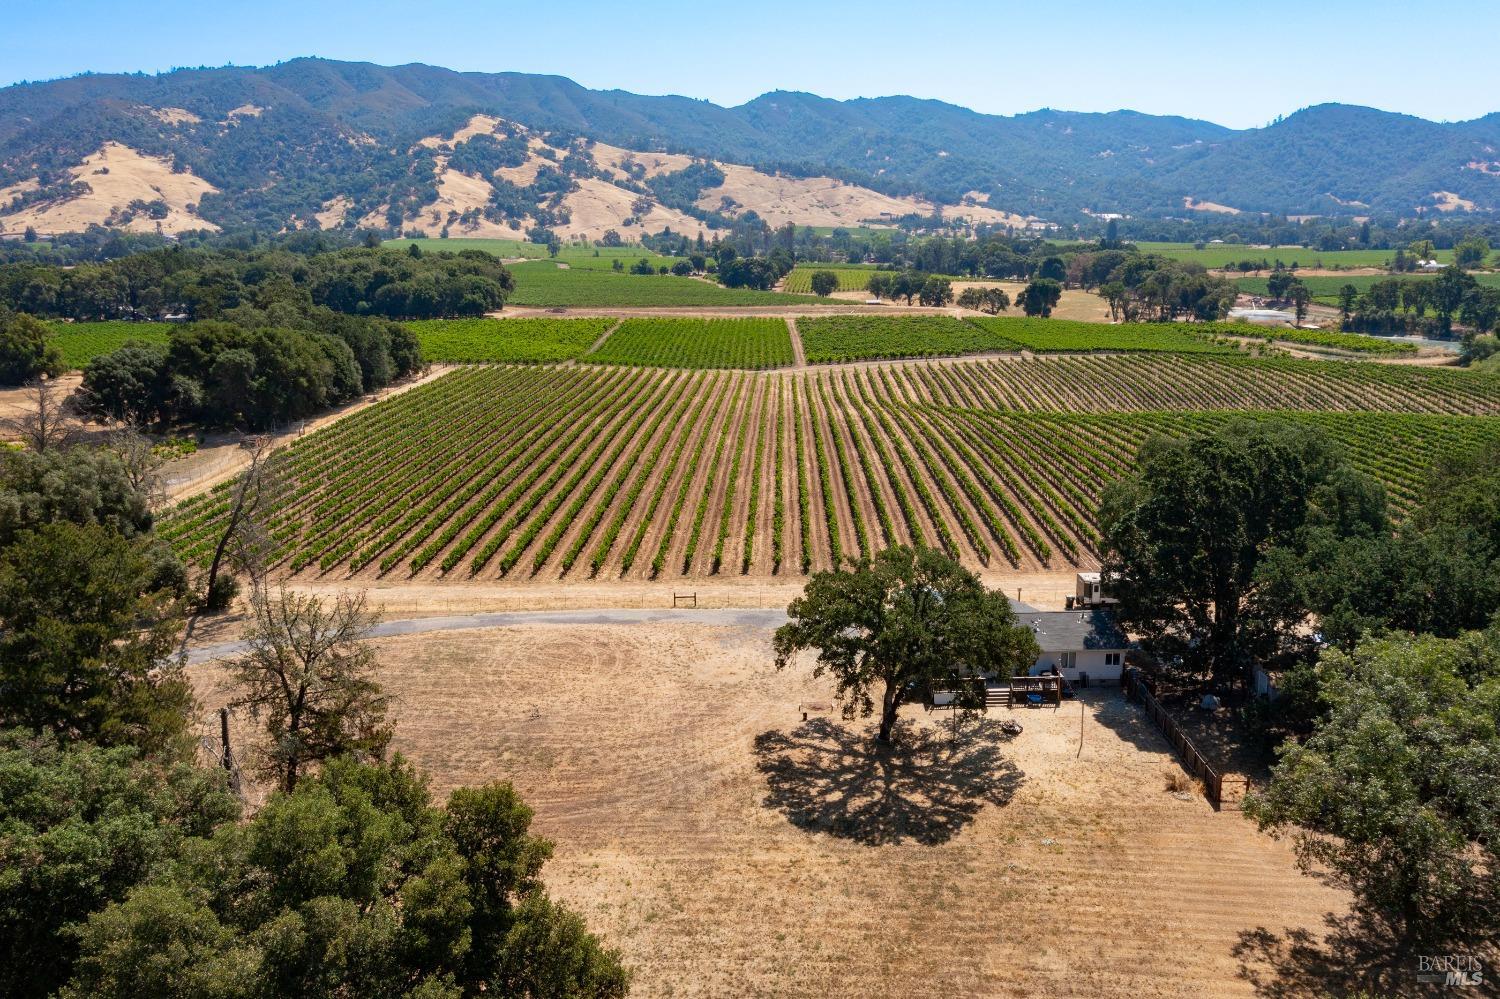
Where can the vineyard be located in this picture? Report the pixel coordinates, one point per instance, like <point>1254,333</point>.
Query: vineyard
<point>799,280</point>
<point>1062,335</point>
<point>543,283</point>
<point>829,339</point>
<point>698,343</point>
<point>613,472</point>
<point>525,341</point>
<point>80,343</point>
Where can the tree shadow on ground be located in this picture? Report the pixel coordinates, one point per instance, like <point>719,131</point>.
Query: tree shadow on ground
<point>1359,954</point>
<point>924,788</point>
<point>1122,716</point>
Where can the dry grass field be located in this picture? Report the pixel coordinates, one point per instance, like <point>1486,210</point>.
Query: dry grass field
<point>116,176</point>
<point>1084,306</point>
<point>728,849</point>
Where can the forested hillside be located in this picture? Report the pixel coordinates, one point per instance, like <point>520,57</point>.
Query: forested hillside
<point>276,144</point>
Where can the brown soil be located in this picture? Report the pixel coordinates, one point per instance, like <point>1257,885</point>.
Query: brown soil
<point>727,848</point>
<point>598,206</point>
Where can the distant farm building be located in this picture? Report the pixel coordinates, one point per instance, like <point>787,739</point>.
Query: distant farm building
<point>1263,317</point>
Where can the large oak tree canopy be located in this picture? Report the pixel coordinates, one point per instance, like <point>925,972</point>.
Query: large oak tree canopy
<point>911,619</point>
<point>1186,535</point>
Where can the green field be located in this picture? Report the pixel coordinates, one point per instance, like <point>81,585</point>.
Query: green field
<point>1068,336</point>
<point>544,284</point>
<point>528,341</point>
<point>499,247</point>
<point>1224,254</point>
<point>80,343</point>
<point>849,338</point>
<point>585,260</point>
<point>799,281</point>
<point>698,343</point>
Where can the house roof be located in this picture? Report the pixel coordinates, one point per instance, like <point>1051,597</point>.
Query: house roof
<point>1074,631</point>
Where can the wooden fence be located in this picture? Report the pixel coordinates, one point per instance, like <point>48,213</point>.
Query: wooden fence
<point>1224,791</point>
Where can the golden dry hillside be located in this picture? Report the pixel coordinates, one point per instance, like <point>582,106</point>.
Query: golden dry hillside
<point>117,176</point>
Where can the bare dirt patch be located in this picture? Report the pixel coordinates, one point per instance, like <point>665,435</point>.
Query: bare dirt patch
<point>1084,306</point>
<point>825,201</point>
<point>598,206</point>
<point>18,401</point>
<point>479,124</point>
<point>1192,204</point>
<point>174,116</point>
<point>458,194</point>
<point>730,849</point>
<point>333,212</point>
<point>118,175</point>
<point>1447,201</point>
<point>614,160</point>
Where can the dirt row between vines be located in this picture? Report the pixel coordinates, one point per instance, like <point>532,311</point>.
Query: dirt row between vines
<point>702,439</point>
<point>965,464</point>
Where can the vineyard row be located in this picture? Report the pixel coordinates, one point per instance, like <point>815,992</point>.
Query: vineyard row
<point>613,472</point>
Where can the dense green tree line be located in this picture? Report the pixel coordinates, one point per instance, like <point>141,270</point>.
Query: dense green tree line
<point>1397,306</point>
<point>202,283</point>
<point>254,369</point>
<point>129,868</point>
<point>1257,547</point>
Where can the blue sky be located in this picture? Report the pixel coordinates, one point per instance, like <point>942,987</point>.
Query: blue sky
<point>1236,64</point>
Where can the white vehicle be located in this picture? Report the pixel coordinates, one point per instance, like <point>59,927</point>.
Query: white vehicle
<point>1088,591</point>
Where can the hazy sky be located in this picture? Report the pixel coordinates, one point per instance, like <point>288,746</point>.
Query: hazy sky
<point>1237,64</point>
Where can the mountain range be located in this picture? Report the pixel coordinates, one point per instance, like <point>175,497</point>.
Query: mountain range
<point>344,142</point>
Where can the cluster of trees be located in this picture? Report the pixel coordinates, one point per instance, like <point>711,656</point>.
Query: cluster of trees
<point>1395,306</point>
<point>1151,288</point>
<point>27,349</point>
<point>991,300</point>
<point>928,289</point>
<point>251,369</point>
<point>991,253</point>
<point>1380,231</point>
<point>760,273</point>
<point>1258,545</point>
<point>202,283</point>
<point>94,244</point>
<point>1138,287</point>
<point>131,868</point>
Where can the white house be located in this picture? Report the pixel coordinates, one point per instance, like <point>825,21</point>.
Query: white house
<point>1429,266</point>
<point>1079,643</point>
